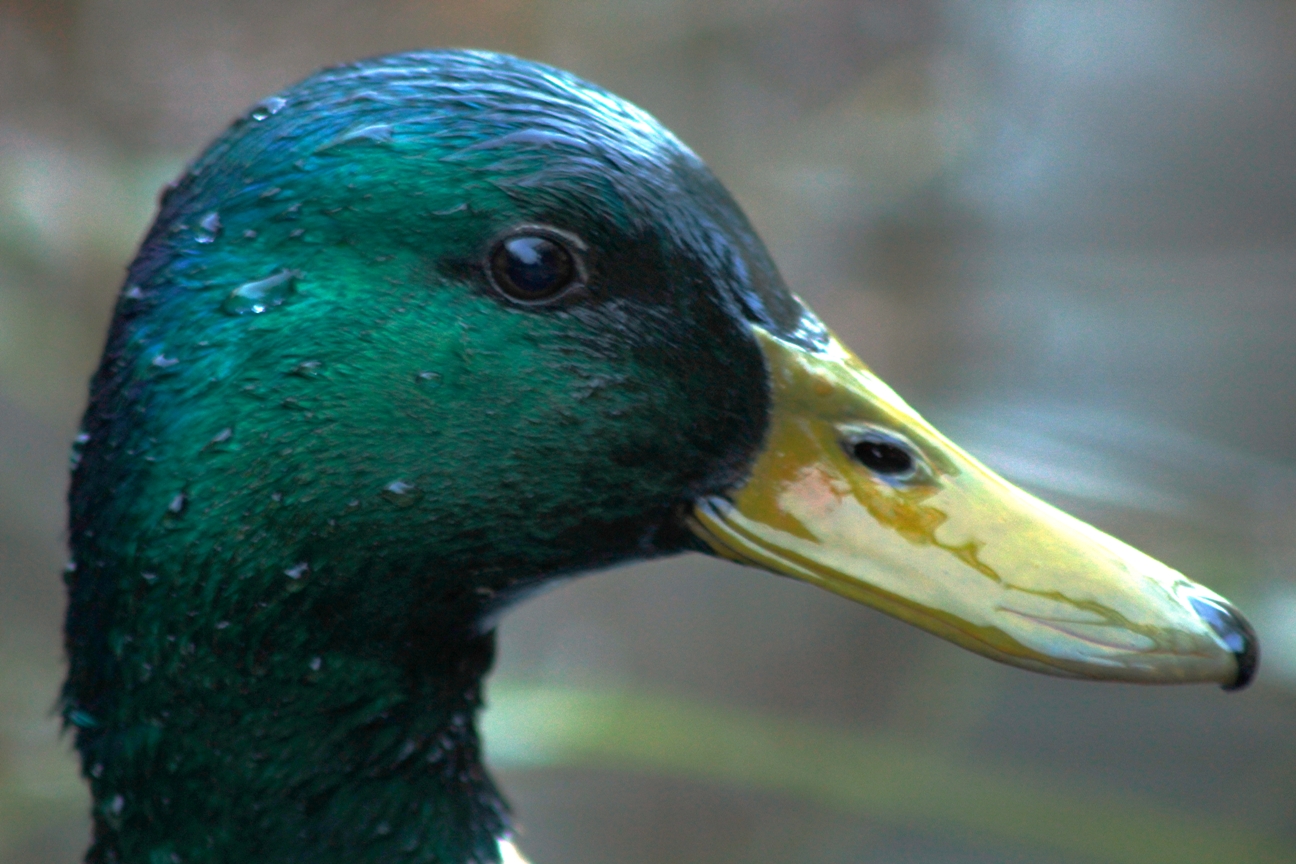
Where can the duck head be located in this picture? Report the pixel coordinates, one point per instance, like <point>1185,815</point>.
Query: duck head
<point>423,333</point>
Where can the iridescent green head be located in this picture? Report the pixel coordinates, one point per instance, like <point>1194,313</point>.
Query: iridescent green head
<point>408,339</point>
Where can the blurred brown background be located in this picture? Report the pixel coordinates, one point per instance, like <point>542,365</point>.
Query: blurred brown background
<point>1064,231</point>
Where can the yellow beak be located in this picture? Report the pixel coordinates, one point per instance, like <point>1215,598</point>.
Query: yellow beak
<point>856,493</point>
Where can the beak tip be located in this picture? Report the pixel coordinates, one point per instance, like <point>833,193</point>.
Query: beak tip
<point>1237,635</point>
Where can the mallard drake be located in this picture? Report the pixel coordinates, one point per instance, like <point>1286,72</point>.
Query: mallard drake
<point>423,333</point>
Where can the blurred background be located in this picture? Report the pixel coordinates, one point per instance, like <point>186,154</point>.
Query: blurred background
<point>1065,232</point>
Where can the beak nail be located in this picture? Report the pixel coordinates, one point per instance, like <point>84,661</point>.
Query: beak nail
<point>1236,633</point>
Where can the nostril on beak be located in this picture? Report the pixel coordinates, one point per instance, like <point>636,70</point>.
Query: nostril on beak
<point>1234,631</point>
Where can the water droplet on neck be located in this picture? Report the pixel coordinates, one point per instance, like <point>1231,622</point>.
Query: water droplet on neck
<point>429,379</point>
<point>78,446</point>
<point>82,720</point>
<point>402,494</point>
<point>268,107</point>
<point>209,228</point>
<point>178,504</point>
<point>162,361</point>
<point>253,298</point>
<point>297,571</point>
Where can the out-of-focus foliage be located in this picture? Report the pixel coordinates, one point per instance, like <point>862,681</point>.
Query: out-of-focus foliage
<point>1064,231</point>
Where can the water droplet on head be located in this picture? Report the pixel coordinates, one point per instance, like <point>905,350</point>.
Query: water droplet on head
<point>374,133</point>
<point>221,625</point>
<point>307,369</point>
<point>316,663</point>
<point>133,292</point>
<point>209,228</point>
<point>402,494</point>
<point>429,379</point>
<point>268,108</point>
<point>162,361</point>
<point>178,503</point>
<point>297,571</point>
<point>149,577</point>
<point>253,298</point>
<point>218,441</point>
<point>380,133</point>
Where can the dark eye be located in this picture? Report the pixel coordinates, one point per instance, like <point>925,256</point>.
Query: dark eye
<point>883,457</point>
<point>534,266</point>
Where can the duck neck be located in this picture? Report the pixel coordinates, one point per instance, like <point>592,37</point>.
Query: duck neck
<point>302,757</point>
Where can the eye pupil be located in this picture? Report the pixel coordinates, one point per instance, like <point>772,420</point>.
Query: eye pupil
<point>532,267</point>
<point>883,457</point>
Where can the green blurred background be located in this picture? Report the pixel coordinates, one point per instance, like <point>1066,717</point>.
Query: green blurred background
<point>1064,231</point>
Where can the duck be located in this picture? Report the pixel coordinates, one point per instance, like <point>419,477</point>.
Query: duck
<point>423,334</point>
